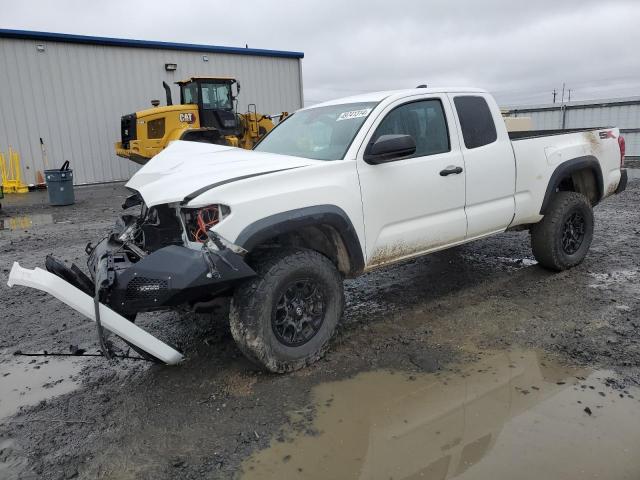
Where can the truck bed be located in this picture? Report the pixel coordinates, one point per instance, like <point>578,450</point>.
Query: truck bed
<point>538,154</point>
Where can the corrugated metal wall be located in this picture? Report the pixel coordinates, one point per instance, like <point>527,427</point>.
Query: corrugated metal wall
<point>623,113</point>
<point>73,95</point>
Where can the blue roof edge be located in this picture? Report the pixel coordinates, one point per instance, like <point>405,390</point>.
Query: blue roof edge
<point>125,42</point>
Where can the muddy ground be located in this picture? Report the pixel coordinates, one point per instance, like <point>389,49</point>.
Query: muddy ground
<point>204,418</point>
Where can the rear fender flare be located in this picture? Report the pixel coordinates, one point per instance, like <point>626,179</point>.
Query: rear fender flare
<point>565,170</point>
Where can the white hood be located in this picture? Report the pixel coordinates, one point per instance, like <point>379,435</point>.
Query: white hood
<point>185,167</point>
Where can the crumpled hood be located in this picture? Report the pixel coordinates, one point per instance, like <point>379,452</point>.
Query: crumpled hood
<point>186,167</point>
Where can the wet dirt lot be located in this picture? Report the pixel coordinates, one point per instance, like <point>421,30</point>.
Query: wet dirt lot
<point>469,363</point>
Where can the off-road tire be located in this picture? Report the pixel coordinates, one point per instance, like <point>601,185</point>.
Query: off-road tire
<point>254,303</point>
<point>547,235</point>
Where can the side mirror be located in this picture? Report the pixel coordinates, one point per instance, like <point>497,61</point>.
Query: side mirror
<point>388,148</point>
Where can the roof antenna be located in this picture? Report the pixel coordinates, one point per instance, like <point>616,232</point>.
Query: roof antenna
<point>424,85</point>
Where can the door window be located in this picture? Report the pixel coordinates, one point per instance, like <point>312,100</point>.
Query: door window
<point>424,120</point>
<point>476,121</point>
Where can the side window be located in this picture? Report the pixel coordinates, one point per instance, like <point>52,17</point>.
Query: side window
<point>423,120</point>
<point>476,121</point>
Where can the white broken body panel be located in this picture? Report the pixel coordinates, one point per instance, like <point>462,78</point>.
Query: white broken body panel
<point>83,303</point>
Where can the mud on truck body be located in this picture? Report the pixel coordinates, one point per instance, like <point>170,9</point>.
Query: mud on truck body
<point>335,190</point>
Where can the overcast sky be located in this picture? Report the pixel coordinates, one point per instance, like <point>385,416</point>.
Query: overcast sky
<point>519,50</point>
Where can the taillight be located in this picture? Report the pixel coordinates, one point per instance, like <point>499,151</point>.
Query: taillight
<point>623,148</point>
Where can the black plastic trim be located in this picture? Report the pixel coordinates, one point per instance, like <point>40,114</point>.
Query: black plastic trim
<point>170,277</point>
<point>565,169</point>
<point>292,220</point>
<point>525,134</point>
<point>624,178</point>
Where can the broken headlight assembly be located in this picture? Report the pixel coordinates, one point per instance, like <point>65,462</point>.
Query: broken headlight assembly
<point>198,221</point>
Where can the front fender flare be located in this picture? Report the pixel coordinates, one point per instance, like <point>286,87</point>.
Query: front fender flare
<point>280,223</point>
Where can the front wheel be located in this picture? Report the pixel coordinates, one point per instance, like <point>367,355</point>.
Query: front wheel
<point>562,238</point>
<point>284,318</point>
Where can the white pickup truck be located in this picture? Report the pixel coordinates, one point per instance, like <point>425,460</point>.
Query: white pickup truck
<point>335,190</point>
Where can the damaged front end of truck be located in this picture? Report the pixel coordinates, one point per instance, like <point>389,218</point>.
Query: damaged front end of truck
<point>165,257</point>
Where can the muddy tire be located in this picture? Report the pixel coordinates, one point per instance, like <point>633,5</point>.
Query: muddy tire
<point>283,319</point>
<point>562,238</point>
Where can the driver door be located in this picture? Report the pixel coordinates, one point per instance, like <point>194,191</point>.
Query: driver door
<point>414,204</point>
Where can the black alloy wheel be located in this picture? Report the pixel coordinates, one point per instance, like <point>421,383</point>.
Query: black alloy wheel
<point>573,233</point>
<point>299,313</point>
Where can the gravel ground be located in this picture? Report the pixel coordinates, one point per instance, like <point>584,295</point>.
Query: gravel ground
<point>130,419</point>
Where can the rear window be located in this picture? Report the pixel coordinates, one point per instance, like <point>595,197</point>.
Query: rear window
<point>476,121</point>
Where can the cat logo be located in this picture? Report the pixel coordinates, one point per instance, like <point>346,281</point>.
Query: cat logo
<point>187,117</point>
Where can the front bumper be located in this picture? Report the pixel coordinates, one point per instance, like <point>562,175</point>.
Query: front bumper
<point>170,277</point>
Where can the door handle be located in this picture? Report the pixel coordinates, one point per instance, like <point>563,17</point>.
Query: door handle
<point>450,171</point>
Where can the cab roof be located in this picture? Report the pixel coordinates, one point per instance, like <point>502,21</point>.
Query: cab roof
<point>191,79</point>
<point>382,95</point>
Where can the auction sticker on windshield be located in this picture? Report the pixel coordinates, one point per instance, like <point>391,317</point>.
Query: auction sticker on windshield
<point>353,114</point>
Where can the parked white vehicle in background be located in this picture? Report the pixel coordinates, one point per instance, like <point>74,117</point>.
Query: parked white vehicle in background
<point>335,190</point>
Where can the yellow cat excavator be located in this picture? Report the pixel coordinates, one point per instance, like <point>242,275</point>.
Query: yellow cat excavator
<point>207,113</point>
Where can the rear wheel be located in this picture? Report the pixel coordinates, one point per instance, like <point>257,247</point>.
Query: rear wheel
<point>562,238</point>
<point>284,318</point>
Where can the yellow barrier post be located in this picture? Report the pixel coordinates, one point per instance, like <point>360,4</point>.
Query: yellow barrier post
<point>12,179</point>
<point>3,170</point>
<point>21,187</point>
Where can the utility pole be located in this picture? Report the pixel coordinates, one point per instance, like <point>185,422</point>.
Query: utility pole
<point>555,92</point>
<point>563,109</point>
<point>569,96</point>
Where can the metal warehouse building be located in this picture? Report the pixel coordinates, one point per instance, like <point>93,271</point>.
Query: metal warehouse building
<point>623,113</point>
<point>71,91</point>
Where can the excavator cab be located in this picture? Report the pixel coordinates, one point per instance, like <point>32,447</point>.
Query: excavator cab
<point>215,99</point>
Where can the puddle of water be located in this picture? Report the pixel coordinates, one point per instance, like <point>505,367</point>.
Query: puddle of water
<point>511,262</point>
<point>26,221</point>
<point>511,415</point>
<point>29,380</point>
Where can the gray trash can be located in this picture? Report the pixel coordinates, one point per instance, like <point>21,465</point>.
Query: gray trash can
<point>60,185</point>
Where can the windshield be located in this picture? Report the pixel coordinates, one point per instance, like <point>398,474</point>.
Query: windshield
<point>322,133</point>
